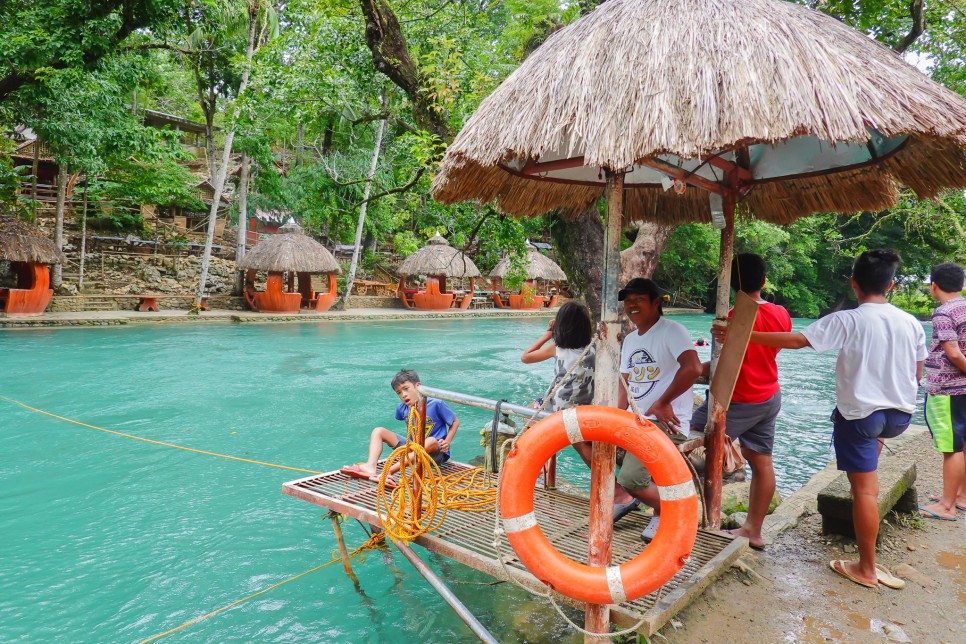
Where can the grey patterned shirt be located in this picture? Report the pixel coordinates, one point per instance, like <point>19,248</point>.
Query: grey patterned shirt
<point>578,389</point>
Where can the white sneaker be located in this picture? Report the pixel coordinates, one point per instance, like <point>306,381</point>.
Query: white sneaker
<point>651,529</point>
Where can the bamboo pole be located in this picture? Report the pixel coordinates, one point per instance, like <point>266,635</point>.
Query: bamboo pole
<point>714,430</point>
<point>606,383</point>
<point>343,551</point>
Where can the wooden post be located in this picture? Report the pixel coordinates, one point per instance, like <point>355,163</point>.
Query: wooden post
<point>606,383</point>
<point>714,430</point>
<point>343,551</point>
<point>420,439</point>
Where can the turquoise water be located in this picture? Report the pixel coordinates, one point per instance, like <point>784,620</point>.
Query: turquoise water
<point>108,539</point>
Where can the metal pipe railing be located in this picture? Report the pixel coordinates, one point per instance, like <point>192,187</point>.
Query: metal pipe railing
<point>458,607</point>
<point>482,403</point>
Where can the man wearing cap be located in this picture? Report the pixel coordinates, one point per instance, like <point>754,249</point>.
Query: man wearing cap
<point>659,366</point>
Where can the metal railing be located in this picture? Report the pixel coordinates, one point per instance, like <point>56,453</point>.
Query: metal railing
<point>482,403</point>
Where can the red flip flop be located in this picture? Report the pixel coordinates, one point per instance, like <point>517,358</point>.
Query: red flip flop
<point>390,482</point>
<point>356,471</point>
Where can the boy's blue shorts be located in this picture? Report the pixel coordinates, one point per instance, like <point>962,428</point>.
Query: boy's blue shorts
<point>437,456</point>
<point>857,441</point>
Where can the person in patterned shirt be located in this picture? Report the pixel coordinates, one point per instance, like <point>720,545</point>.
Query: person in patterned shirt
<point>569,338</point>
<point>946,388</point>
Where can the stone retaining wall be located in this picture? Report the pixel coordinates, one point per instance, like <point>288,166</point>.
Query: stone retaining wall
<point>79,303</point>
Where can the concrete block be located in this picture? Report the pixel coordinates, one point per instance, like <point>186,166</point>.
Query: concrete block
<point>896,492</point>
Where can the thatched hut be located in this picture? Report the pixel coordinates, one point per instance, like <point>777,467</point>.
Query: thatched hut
<point>536,292</point>
<point>762,104</point>
<point>293,255</point>
<point>29,254</point>
<point>437,260</point>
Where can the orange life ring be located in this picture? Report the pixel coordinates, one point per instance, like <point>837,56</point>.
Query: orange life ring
<point>657,563</point>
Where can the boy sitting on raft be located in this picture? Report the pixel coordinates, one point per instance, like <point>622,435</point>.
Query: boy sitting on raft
<point>441,426</point>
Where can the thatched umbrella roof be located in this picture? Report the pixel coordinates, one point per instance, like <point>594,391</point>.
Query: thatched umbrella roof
<point>437,257</point>
<point>698,85</point>
<point>20,242</point>
<point>539,267</point>
<point>290,250</point>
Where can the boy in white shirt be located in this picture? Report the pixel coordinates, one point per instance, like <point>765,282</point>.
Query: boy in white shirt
<point>881,351</point>
<point>659,365</point>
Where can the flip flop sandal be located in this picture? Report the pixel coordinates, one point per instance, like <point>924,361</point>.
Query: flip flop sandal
<point>355,471</point>
<point>838,565</point>
<point>751,545</point>
<point>887,579</point>
<point>959,506</point>
<point>390,482</point>
<point>621,510</point>
<point>929,514</point>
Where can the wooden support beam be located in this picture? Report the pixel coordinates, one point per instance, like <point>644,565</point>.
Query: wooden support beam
<point>343,551</point>
<point>606,383</point>
<point>537,167</point>
<point>681,174</point>
<point>715,427</point>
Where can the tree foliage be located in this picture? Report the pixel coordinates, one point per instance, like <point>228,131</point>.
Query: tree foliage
<point>71,69</point>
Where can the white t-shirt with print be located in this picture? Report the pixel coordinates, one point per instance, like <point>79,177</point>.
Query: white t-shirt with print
<point>650,362</point>
<point>879,346</point>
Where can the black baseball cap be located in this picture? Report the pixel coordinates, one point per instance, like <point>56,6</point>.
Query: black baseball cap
<point>639,286</point>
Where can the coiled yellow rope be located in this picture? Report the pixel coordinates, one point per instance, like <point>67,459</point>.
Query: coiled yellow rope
<point>418,504</point>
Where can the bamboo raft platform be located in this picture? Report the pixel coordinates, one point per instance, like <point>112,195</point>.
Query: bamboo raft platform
<point>467,537</point>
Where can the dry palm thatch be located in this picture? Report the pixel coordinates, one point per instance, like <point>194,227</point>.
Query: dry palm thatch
<point>755,82</point>
<point>290,250</point>
<point>539,267</point>
<point>437,257</point>
<point>20,242</point>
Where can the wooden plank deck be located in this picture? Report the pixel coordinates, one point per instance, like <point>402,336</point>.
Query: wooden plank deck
<point>467,537</point>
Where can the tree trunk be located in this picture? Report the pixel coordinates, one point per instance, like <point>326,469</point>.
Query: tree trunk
<point>223,169</point>
<point>357,249</point>
<point>580,243</point>
<point>83,242</point>
<point>36,169</point>
<point>390,55</point>
<point>300,146</point>
<point>57,272</point>
<point>641,259</point>
<point>240,239</point>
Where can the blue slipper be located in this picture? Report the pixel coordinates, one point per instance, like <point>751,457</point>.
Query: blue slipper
<point>929,514</point>
<point>621,510</point>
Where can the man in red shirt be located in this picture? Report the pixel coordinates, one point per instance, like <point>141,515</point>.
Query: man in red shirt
<point>757,398</point>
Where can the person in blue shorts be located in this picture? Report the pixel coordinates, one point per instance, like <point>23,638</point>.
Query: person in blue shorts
<point>881,353</point>
<point>441,426</point>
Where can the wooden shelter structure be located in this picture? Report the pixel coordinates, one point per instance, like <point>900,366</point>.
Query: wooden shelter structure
<point>540,271</point>
<point>29,254</point>
<point>288,256</point>
<point>686,110</point>
<point>437,260</point>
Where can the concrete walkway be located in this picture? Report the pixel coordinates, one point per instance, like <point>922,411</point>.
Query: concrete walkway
<point>175,316</point>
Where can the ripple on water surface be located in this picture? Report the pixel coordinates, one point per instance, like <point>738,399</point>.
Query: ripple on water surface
<point>111,539</point>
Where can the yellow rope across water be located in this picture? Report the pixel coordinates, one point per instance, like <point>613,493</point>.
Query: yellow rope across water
<point>418,505</point>
<point>154,442</point>
<point>374,542</point>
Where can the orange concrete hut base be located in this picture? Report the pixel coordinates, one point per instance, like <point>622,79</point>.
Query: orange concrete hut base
<point>274,299</point>
<point>33,292</point>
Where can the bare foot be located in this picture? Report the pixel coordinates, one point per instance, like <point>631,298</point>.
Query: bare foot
<point>368,470</point>
<point>938,509</point>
